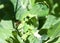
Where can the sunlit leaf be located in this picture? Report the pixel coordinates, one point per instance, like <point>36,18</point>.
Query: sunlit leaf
<point>40,10</point>
<point>21,14</point>
<point>5,29</point>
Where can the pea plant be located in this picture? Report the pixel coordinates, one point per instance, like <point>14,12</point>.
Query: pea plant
<point>29,21</point>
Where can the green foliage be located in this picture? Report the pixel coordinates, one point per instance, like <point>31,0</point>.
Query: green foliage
<point>29,21</point>
<point>42,9</point>
<point>5,29</point>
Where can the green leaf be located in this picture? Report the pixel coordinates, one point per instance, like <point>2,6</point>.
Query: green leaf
<point>40,10</point>
<point>21,14</point>
<point>25,27</point>
<point>44,37</point>
<point>2,41</point>
<point>5,29</point>
<point>31,3</point>
<point>49,22</point>
<point>54,31</point>
<point>33,39</point>
<point>20,39</point>
<point>33,21</point>
<point>19,3</point>
<point>14,2</point>
<point>58,41</point>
